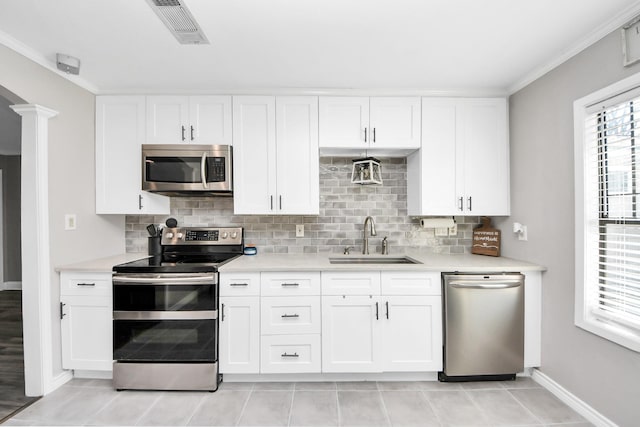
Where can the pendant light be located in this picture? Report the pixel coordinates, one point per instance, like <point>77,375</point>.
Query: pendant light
<point>366,171</point>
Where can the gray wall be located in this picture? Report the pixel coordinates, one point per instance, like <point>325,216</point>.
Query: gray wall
<point>71,172</point>
<point>601,373</point>
<point>343,208</point>
<point>10,166</point>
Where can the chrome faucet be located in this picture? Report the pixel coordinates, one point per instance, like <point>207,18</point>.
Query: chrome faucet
<point>365,246</point>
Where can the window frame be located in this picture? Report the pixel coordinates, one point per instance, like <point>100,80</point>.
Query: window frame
<point>584,316</point>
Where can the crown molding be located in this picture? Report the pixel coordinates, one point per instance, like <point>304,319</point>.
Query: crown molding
<point>38,58</point>
<point>597,34</point>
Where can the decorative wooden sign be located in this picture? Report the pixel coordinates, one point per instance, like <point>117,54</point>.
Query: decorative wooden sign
<point>486,239</point>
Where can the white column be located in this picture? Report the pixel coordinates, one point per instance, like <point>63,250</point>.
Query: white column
<point>36,271</point>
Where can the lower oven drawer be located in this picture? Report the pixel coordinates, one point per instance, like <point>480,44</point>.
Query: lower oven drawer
<point>165,340</point>
<point>290,354</point>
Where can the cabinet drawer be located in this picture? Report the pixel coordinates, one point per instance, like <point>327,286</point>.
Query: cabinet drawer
<point>290,354</point>
<point>290,283</point>
<point>290,315</point>
<point>239,284</point>
<point>351,283</point>
<point>410,283</point>
<point>93,284</point>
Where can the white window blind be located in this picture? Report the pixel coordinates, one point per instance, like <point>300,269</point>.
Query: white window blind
<point>612,208</point>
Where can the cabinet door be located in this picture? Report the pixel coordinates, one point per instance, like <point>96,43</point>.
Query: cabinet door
<point>344,121</point>
<point>119,137</point>
<point>395,122</point>
<point>298,178</point>
<point>351,334</point>
<point>167,119</point>
<point>210,120</point>
<point>87,334</point>
<point>485,157</point>
<point>254,152</point>
<point>412,333</point>
<point>239,335</point>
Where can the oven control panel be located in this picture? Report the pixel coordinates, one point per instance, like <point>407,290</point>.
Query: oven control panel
<point>202,236</point>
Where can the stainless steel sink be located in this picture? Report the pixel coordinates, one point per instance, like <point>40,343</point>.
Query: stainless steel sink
<point>374,260</point>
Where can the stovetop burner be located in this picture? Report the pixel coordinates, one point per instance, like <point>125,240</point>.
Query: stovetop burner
<point>190,250</point>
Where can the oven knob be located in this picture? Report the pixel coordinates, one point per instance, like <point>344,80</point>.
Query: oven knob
<point>234,235</point>
<point>225,235</point>
<point>179,235</point>
<point>169,235</point>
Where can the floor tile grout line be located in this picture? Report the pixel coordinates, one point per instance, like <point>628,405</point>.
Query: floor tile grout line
<point>195,410</point>
<point>338,406</point>
<point>477,405</point>
<point>384,406</point>
<point>293,395</point>
<point>433,408</point>
<point>244,407</point>
<point>149,407</point>
<point>525,407</point>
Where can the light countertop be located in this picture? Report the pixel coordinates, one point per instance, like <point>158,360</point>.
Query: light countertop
<point>429,262</point>
<point>101,265</point>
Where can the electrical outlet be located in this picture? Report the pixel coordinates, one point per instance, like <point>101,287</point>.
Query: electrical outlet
<point>522,235</point>
<point>70,222</point>
<point>442,232</point>
<point>300,230</point>
<point>453,230</point>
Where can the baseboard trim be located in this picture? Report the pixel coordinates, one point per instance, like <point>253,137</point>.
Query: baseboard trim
<point>571,400</point>
<point>59,380</point>
<point>11,286</point>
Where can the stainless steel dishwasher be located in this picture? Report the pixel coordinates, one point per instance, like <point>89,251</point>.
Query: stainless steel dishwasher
<point>483,326</point>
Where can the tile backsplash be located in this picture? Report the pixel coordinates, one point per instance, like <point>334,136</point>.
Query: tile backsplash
<point>343,208</point>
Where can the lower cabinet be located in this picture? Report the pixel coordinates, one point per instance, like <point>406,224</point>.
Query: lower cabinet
<point>85,321</point>
<point>239,345</point>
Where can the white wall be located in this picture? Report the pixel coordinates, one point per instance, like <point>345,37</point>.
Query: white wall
<point>599,372</point>
<point>71,171</point>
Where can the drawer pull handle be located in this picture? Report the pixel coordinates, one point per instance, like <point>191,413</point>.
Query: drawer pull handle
<point>85,284</point>
<point>289,355</point>
<point>291,284</point>
<point>290,315</point>
<point>238,284</point>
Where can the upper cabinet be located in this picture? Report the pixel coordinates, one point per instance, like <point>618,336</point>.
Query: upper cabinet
<point>189,119</point>
<point>276,155</point>
<point>382,125</point>
<point>120,133</point>
<point>463,165</point>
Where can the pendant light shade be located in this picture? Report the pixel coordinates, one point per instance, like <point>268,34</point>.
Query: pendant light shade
<point>366,171</point>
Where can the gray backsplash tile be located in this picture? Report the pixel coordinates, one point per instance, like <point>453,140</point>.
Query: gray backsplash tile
<point>343,208</point>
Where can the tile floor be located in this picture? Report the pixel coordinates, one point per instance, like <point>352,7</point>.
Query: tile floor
<point>94,402</point>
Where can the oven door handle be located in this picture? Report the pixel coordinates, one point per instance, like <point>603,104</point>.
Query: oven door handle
<point>166,315</point>
<point>173,279</point>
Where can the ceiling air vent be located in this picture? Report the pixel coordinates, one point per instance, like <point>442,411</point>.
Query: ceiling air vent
<point>179,21</point>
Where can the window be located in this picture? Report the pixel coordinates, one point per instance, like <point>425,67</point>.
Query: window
<point>607,154</point>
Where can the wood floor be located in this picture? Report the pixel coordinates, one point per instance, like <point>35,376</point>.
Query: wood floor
<point>12,396</point>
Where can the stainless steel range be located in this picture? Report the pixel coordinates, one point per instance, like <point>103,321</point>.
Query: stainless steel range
<point>165,311</point>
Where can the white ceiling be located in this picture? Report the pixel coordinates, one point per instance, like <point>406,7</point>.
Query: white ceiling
<point>440,46</point>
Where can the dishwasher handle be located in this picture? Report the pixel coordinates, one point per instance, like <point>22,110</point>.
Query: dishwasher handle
<point>467,284</point>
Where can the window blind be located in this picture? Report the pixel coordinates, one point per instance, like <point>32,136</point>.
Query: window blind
<point>613,205</point>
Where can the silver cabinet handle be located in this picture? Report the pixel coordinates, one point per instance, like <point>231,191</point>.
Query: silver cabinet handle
<point>183,138</point>
<point>203,170</point>
<point>238,284</point>
<point>140,202</point>
<point>192,133</point>
<point>271,202</point>
<point>365,134</point>
<point>377,311</point>
<point>290,284</point>
<point>285,354</point>
<point>280,197</point>
<point>62,313</point>
<point>374,134</point>
<point>286,316</point>
<point>386,303</point>
<point>460,204</point>
<point>470,209</point>
<point>85,284</point>
<point>222,312</point>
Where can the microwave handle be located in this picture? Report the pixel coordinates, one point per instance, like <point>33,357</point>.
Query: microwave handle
<point>203,170</point>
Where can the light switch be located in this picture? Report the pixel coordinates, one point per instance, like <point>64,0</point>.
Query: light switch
<point>70,222</point>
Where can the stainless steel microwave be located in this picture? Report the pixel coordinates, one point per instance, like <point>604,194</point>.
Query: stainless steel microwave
<point>183,169</point>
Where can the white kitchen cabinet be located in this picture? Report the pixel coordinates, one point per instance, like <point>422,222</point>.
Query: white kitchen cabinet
<point>385,125</point>
<point>351,334</point>
<point>412,333</point>
<point>276,160</point>
<point>387,333</point>
<point>463,165</point>
<point>239,346</point>
<point>190,119</point>
<point>120,133</point>
<point>86,321</point>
